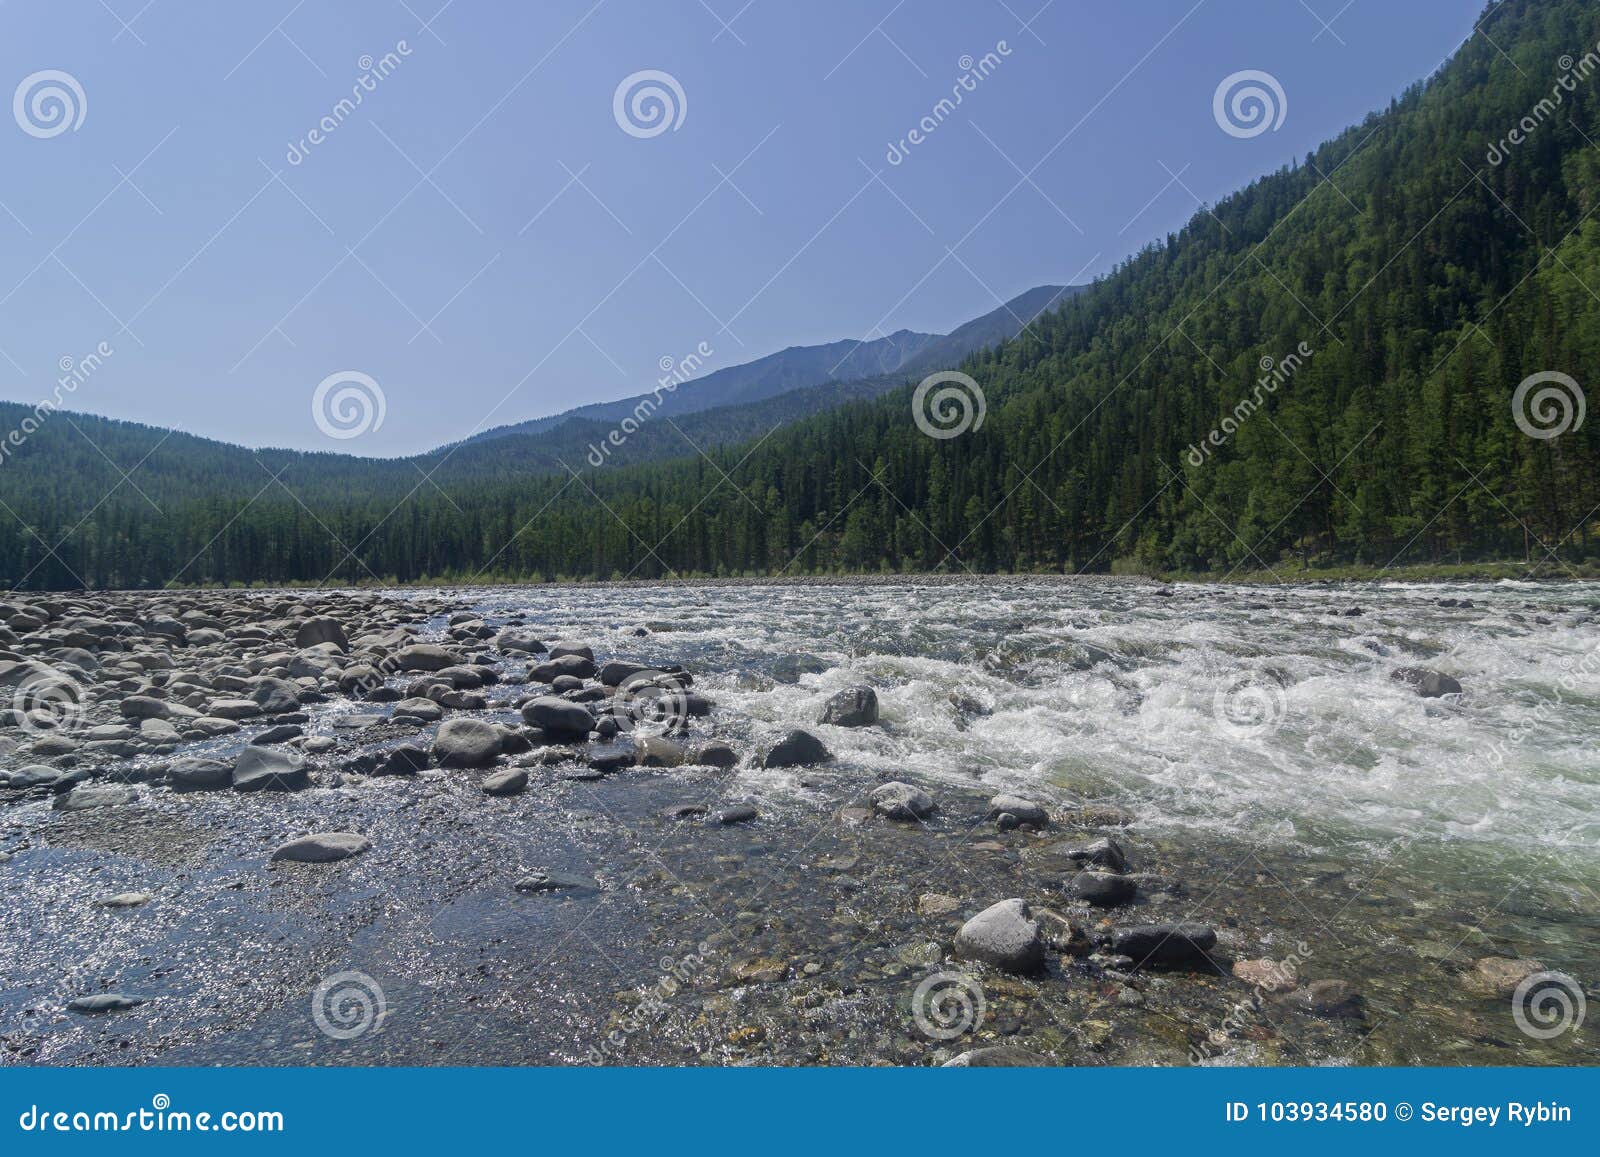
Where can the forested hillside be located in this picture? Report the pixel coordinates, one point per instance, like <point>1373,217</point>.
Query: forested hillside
<point>1422,279</point>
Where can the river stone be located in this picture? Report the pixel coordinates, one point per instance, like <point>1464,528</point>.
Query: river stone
<point>282,733</point>
<point>511,640</point>
<point>407,759</point>
<point>657,751</point>
<point>1165,945</point>
<point>1332,998</point>
<point>852,707</point>
<point>566,647</point>
<point>143,707</point>
<point>715,754</point>
<point>741,813</point>
<point>314,632</point>
<point>1102,853</point>
<point>192,773</point>
<point>1267,975</point>
<point>559,716</point>
<point>1025,810</point>
<point>424,657</point>
<point>789,668</point>
<point>1102,889</point>
<point>232,709</point>
<point>1428,684</point>
<point>1498,976</point>
<point>417,707</point>
<point>902,801</point>
<point>549,671</point>
<point>1004,935</point>
<point>269,769</point>
<point>94,796</point>
<point>275,696</point>
<point>616,671</point>
<point>322,848</point>
<point>536,882</point>
<point>125,900</point>
<point>996,1056</point>
<point>102,1002</point>
<point>936,904</point>
<point>39,775</point>
<point>466,743</point>
<point>511,781</point>
<point>796,749</point>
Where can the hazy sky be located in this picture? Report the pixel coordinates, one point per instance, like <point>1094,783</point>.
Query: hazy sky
<point>483,238</point>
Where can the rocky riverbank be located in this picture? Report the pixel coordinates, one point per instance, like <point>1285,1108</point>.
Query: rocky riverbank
<point>357,827</point>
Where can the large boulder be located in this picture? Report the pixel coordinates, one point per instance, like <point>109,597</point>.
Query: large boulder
<point>321,629</point>
<point>558,716</point>
<point>852,707</point>
<point>796,749</point>
<point>1004,935</point>
<point>466,743</point>
<point>270,769</point>
<point>1426,683</point>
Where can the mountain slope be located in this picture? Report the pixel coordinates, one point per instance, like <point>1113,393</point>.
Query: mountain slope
<point>1403,282</point>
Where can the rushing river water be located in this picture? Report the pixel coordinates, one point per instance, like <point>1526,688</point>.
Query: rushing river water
<point>1296,794</point>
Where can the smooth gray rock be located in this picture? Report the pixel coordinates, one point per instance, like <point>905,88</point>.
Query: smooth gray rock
<point>103,1002</point>
<point>94,796</point>
<point>270,769</point>
<point>419,708</point>
<point>715,754</point>
<point>407,759</point>
<point>424,657</point>
<point>275,696</point>
<point>536,882</point>
<point>511,781</point>
<point>322,848</point>
<point>466,743</point>
<point>1102,889</point>
<point>902,801</point>
<point>796,749</point>
<point>192,773</point>
<point>1004,935</point>
<point>1428,684</point>
<point>322,629</point>
<point>1026,810</point>
<point>549,671</point>
<point>558,716</point>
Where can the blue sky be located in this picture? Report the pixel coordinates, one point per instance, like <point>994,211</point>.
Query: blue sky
<point>483,239</point>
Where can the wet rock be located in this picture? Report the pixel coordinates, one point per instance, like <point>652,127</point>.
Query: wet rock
<point>657,751</point>
<point>322,848</point>
<point>1183,945</point>
<point>512,781</point>
<point>40,775</point>
<point>1102,889</point>
<point>195,774</point>
<point>94,796</point>
<point>1098,816</point>
<point>936,904</point>
<point>233,709</point>
<point>618,671</point>
<point>319,631</point>
<point>796,749</point>
<point>607,757</point>
<point>741,813</point>
<point>423,710</point>
<point>1428,684</point>
<point>466,743</point>
<point>789,668</point>
<point>407,759</point>
<point>1060,933</point>
<point>715,754</point>
<point>1103,853</point>
<point>1331,998</point>
<point>510,640</point>
<point>269,769</point>
<point>1025,810</point>
<point>280,734</point>
<point>759,970</point>
<point>574,665</point>
<point>275,696</point>
<point>1267,975</point>
<point>1003,935</point>
<point>125,900</point>
<point>541,881</point>
<point>997,1056</point>
<point>1498,976</point>
<point>852,707</point>
<point>104,1002</point>
<point>424,657</point>
<point>684,811</point>
<point>902,801</point>
<point>556,716</point>
<point>143,707</point>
